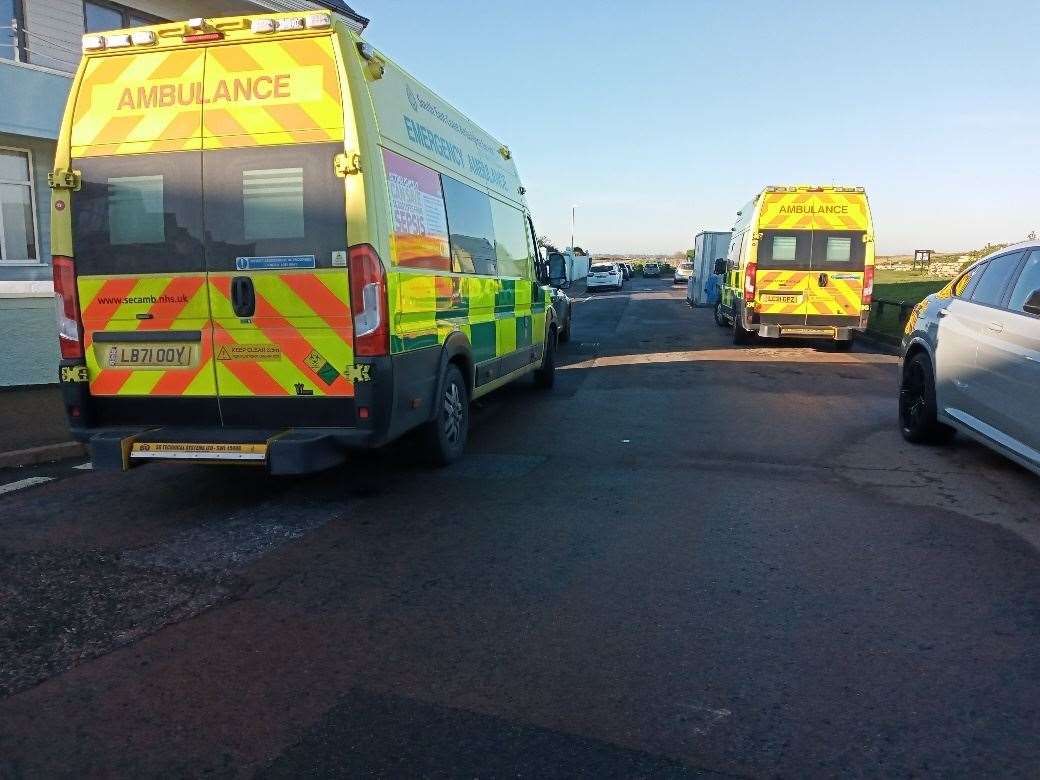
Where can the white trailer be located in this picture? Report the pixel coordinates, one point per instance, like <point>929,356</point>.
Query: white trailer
<point>709,245</point>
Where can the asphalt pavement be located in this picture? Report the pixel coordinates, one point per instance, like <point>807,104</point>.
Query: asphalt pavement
<point>687,559</point>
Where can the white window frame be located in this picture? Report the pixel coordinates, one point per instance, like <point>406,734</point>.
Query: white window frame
<point>6,261</point>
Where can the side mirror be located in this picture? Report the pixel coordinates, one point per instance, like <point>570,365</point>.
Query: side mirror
<point>1032,304</point>
<point>720,267</point>
<point>557,269</point>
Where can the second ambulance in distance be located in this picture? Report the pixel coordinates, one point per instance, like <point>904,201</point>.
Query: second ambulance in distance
<point>800,263</point>
<point>272,244</point>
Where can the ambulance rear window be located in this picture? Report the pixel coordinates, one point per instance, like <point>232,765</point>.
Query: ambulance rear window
<point>784,247</point>
<point>838,249</point>
<point>139,214</point>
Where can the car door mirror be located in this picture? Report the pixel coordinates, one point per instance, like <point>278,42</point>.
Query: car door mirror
<point>720,267</point>
<point>1032,304</point>
<point>557,269</point>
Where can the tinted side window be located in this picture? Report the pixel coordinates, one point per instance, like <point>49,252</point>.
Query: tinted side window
<point>965,286</point>
<point>470,227</point>
<point>511,248</point>
<point>420,233</point>
<point>990,289</point>
<point>1028,282</point>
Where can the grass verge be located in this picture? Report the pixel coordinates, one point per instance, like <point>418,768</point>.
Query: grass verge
<point>899,286</point>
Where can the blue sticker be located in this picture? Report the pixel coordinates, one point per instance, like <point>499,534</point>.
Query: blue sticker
<point>273,263</point>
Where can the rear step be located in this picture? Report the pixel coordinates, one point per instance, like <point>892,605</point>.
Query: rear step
<point>286,451</point>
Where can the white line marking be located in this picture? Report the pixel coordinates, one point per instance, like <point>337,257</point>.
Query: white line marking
<point>84,466</point>
<point>10,487</point>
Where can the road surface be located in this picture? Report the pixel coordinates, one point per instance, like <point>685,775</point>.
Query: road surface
<point>688,559</point>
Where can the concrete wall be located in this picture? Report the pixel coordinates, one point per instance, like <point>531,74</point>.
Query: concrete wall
<point>30,342</point>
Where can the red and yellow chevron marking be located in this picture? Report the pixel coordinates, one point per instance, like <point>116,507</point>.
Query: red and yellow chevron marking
<point>175,303</point>
<point>775,283</point>
<point>841,296</point>
<point>813,211</point>
<point>304,318</point>
<point>248,94</point>
<point>140,102</point>
<point>302,104</point>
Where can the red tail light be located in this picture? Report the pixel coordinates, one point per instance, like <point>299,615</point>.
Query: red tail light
<point>868,284</point>
<point>368,302</point>
<point>70,330</point>
<point>203,37</point>
<point>749,281</point>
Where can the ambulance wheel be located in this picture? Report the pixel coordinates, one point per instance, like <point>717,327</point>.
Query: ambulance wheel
<point>917,407</point>
<point>844,345</point>
<point>446,433</point>
<point>545,374</point>
<point>720,316</point>
<point>740,336</point>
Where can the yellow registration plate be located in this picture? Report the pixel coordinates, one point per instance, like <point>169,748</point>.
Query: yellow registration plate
<point>781,297</point>
<point>148,355</point>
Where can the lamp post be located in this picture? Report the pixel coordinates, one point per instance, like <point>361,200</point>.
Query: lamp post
<point>573,207</point>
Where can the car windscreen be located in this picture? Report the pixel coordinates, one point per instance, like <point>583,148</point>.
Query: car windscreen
<point>602,268</point>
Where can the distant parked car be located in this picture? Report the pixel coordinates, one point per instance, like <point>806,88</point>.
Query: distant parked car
<point>971,358</point>
<point>651,269</point>
<point>602,275</point>
<point>626,270</point>
<point>683,272</point>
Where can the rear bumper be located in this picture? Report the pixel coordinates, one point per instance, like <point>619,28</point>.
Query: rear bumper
<point>288,451</point>
<point>298,435</point>
<point>838,328</point>
<point>836,333</point>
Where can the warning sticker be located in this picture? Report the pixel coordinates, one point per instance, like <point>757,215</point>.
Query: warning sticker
<point>249,352</point>
<point>321,367</point>
<point>203,447</point>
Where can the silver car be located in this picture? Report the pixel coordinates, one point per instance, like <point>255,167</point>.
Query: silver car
<point>971,358</point>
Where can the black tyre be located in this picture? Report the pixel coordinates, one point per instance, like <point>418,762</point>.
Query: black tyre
<point>720,315</point>
<point>740,335</point>
<point>917,407</point>
<point>844,345</point>
<point>446,433</point>
<point>545,374</point>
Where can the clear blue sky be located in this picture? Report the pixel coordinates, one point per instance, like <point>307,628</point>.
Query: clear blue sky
<point>661,119</point>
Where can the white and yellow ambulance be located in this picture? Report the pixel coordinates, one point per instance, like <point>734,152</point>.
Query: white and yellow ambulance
<point>272,245</point>
<point>800,264</point>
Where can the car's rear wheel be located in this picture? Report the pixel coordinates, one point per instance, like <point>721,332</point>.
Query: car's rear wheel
<point>918,421</point>
<point>446,433</point>
<point>720,315</point>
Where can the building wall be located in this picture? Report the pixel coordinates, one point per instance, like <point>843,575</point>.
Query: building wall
<point>60,23</point>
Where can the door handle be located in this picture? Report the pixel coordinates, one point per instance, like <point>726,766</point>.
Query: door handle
<point>823,280</point>
<point>243,296</point>
<point>996,327</point>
